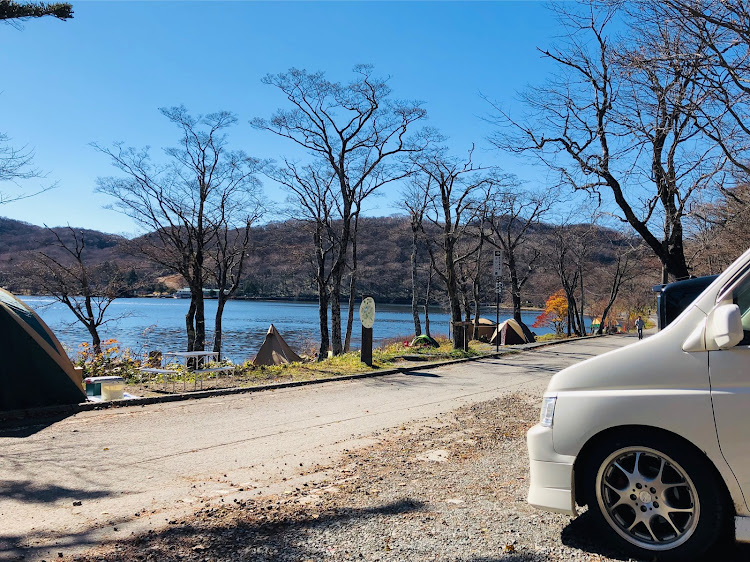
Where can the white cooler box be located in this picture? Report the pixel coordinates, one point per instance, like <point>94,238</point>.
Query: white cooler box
<point>105,388</point>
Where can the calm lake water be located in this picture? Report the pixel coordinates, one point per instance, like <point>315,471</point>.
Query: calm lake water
<point>149,324</point>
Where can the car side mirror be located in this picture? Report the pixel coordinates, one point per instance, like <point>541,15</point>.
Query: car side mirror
<point>724,327</point>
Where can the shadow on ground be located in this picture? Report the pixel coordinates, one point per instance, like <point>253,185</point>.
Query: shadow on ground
<point>582,534</point>
<point>28,427</point>
<point>259,533</point>
<point>421,374</point>
<point>28,492</point>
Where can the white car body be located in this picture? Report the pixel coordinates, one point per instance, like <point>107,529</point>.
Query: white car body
<point>690,382</point>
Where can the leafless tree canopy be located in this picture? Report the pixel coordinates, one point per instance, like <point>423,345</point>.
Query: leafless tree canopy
<point>619,120</point>
<point>514,213</point>
<point>188,202</point>
<point>352,132</point>
<point>457,191</point>
<point>722,27</point>
<point>86,289</point>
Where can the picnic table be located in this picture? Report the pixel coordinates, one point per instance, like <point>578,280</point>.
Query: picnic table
<point>194,362</point>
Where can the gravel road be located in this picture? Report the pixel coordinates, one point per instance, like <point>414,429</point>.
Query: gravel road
<point>448,488</point>
<point>446,485</point>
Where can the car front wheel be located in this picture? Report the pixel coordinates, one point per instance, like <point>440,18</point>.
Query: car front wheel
<point>658,500</point>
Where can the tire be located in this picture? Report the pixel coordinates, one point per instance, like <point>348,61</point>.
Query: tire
<point>657,498</point>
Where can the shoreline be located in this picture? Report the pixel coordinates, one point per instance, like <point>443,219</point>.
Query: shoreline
<point>435,307</point>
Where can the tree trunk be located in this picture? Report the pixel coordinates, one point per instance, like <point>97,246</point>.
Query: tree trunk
<point>200,324</point>
<point>217,323</point>
<point>320,280</point>
<point>336,345</point>
<point>475,333</point>
<point>515,289</point>
<point>475,292</point>
<point>352,288</point>
<point>414,291</point>
<point>453,297</point>
<point>96,342</point>
<point>190,324</point>
<point>427,304</point>
<point>583,319</point>
<point>350,311</point>
<point>323,316</point>
<point>476,287</point>
<point>603,319</point>
<point>339,266</point>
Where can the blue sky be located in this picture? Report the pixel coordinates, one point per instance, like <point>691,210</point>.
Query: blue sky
<point>102,76</point>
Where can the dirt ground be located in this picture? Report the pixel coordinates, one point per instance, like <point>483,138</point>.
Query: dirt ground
<point>448,488</point>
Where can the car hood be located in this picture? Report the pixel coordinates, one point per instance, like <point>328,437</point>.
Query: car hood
<point>656,362</point>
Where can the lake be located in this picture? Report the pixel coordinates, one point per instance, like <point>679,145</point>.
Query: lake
<point>150,324</point>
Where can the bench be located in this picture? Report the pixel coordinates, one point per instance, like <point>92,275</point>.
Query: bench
<point>168,373</point>
<point>172,374</point>
<point>208,371</point>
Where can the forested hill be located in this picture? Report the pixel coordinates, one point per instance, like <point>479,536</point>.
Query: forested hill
<point>279,266</point>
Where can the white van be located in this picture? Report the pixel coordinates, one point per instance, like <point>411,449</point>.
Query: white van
<point>655,437</point>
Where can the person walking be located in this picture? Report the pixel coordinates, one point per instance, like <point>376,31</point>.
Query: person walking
<point>639,324</point>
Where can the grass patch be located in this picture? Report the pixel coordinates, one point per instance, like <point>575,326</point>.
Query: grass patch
<point>394,353</point>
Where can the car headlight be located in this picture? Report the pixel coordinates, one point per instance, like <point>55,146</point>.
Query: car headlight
<point>548,411</point>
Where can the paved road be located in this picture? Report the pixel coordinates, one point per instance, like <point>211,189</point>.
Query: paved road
<point>103,475</point>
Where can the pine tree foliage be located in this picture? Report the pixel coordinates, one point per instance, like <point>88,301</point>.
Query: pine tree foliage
<point>11,10</point>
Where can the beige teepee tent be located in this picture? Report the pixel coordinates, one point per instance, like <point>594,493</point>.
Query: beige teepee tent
<point>275,350</point>
<point>511,332</point>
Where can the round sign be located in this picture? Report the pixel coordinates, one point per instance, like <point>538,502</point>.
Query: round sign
<point>367,312</point>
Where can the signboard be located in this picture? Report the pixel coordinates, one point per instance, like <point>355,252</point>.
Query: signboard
<point>497,263</point>
<point>367,312</point>
<point>367,317</point>
<point>498,286</point>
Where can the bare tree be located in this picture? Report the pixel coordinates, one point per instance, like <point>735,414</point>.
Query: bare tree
<point>723,28</point>
<point>416,199</point>
<point>619,122</point>
<point>180,202</point>
<point>615,260</point>
<point>456,184</point>
<point>16,165</point>
<point>355,130</point>
<point>314,201</point>
<point>568,255</point>
<point>514,214</point>
<point>427,294</point>
<point>352,281</point>
<point>718,234</point>
<point>236,215</point>
<point>87,290</point>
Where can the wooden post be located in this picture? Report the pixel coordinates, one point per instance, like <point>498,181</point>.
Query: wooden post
<point>366,350</point>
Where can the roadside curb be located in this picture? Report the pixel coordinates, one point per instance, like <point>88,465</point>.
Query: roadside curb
<point>67,410</point>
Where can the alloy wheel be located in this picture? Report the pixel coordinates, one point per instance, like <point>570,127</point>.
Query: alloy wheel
<point>647,498</point>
